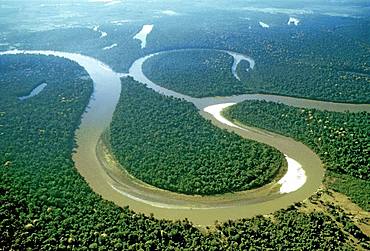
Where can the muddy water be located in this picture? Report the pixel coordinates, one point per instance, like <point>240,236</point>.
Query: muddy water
<point>137,72</point>
<point>115,185</point>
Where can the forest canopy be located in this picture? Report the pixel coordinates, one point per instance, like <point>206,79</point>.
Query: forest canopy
<point>303,62</point>
<point>197,73</point>
<point>165,142</point>
<point>46,205</point>
<point>340,139</point>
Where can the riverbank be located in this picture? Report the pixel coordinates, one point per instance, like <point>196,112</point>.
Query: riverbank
<point>98,115</point>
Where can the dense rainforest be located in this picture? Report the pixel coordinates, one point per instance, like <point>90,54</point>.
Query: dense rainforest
<point>86,41</point>
<point>340,139</point>
<point>201,73</point>
<point>321,58</point>
<point>196,73</point>
<point>46,205</point>
<point>165,142</point>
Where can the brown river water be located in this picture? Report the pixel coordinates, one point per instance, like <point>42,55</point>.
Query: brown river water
<point>107,179</point>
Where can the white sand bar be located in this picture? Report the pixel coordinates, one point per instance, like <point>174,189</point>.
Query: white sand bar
<point>121,22</point>
<point>264,25</point>
<point>215,111</point>
<point>102,33</point>
<point>294,178</point>
<point>293,20</point>
<point>142,35</point>
<point>109,47</point>
<point>170,13</point>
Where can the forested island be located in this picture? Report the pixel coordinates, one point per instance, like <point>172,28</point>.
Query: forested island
<point>165,142</point>
<point>303,62</point>
<point>340,139</point>
<point>197,73</point>
<point>203,73</point>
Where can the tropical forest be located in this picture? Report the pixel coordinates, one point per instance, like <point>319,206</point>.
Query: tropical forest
<point>184,125</point>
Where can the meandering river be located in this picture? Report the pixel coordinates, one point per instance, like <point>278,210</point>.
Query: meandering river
<point>107,179</point>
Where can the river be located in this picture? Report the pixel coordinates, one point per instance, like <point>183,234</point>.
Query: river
<point>105,177</point>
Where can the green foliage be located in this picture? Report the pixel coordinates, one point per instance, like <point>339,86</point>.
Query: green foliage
<point>348,225</point>
<point>165,142</point>
<point>327,62</point>
<point>243,70</point>
<point>309,80</point>
<point>340,139</point>
<point>285,230</point>
<point>88,42</point>
<point>324,58</point>
<point>46,205</point>
<point>197,73</point>
<point>44,202</point>
<point>357,189</point>
<point>278,70</point>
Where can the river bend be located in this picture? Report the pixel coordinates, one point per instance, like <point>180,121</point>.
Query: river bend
<point>104,176</point>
